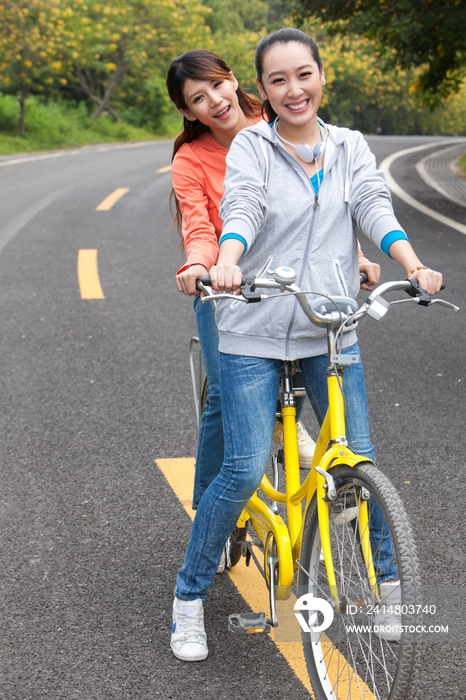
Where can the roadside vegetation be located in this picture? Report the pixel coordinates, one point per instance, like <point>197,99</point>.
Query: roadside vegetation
<point>90,71</point>
<point>57,124</point>
<point>462,163</point>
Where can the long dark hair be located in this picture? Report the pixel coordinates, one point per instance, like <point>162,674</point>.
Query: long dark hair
<point>200,64</point>
<point>281,36</point>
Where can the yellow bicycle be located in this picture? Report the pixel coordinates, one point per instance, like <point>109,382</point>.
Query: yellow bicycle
<point>334,528</point>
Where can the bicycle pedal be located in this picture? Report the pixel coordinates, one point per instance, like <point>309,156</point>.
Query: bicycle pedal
<point>248,623</point>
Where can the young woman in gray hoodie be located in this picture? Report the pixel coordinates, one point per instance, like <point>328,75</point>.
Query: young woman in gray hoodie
<point>295,190</point>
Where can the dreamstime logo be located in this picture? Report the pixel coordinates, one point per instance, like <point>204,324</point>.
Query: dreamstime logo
<point>308,603</point>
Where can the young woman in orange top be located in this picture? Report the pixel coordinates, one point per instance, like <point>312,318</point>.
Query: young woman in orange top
<point>214,108</point>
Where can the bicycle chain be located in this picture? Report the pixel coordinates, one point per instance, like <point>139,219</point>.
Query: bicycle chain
<point>251,555</point>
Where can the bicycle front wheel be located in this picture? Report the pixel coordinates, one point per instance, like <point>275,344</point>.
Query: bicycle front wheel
<point>362,654</point>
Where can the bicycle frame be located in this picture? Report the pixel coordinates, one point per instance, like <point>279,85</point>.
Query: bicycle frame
<point>331,450</point>
<point>196,377</point>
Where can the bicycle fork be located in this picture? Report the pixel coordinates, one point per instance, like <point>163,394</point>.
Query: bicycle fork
<point>332,450</point>
<point>290,444</point>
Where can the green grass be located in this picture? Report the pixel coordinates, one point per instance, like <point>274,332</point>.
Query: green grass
<point>462,162</point>
<point>60,125</point>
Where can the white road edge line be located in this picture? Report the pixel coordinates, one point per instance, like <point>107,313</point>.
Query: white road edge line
<point>90,148</point>
<point>396,189</point>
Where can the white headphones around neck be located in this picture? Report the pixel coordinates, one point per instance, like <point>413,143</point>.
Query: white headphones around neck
<point>305,151</point>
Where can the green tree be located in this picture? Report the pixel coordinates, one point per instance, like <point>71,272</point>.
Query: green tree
<point>129,40</point>
<point>360,94</point>
<point>427,34</point>
<point>32,49</point>
<point>237,16</point>
<point>237,26</point>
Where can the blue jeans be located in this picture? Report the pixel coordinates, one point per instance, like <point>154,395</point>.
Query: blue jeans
<point>249,388</point>
<point>209,456</point>
<point>210,446</point>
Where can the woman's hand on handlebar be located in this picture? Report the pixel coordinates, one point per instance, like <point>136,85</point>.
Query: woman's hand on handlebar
<point>428,279</point>
<point>186,280</point>
<point>372,271</point>
<point>225,277</point>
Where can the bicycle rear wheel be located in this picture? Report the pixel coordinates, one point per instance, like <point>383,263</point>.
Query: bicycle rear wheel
<point>351,659</point>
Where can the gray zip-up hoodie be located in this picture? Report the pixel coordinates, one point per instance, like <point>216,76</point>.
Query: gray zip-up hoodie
<point>270,202</point>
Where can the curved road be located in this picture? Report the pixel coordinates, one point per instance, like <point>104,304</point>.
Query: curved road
<point>94,390</point>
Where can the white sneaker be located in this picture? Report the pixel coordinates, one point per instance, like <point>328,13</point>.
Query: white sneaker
<point>189,640</point>
<point>387,621</point>
<point>306,444</point>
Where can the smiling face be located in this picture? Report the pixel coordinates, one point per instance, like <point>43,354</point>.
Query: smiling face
<point>292,82</point>
<point>215,104</point>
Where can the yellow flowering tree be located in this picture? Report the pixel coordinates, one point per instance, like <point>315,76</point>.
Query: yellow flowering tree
<point>128,40</point>
<point>93,46</point>
<point>33,49</point>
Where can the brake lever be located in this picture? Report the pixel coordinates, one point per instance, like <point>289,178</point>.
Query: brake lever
<point>201,287</point>
<point>248,290</point>
<point>421,295</point>
<point>217,296</point>
<point>446,304</point>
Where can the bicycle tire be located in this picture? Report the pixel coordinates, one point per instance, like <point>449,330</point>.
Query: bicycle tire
<point>387,668</point>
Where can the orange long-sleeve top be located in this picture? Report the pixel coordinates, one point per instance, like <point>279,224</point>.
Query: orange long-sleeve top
<point>198,173</point>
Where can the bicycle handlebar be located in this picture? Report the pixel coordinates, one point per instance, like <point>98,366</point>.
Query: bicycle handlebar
<point>205,281</point>
<point>334,311</point>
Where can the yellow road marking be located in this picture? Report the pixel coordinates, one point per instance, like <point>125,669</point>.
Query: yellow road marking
<point>112,199</point>
<point>88,275</point>
<point>180,475</point>
<point>165,169</point>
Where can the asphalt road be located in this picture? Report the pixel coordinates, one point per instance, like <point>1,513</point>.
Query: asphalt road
<point>93,391</point>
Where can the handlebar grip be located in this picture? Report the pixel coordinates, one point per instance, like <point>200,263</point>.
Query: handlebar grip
<point>205,281</point>
<point>362,277</point>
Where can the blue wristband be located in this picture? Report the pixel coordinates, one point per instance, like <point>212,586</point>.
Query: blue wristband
<point>390,238</point>
<point>236,237</point>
